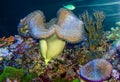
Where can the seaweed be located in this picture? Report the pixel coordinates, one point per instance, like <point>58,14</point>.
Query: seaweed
<point>60,80</point>
<point>76,80</point>
<point>18,74</point>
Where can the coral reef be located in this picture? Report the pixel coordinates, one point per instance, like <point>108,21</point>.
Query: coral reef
<point>113,56</point>
<point>65,66</point>
<point>26,44</point>
<point>24,56</point>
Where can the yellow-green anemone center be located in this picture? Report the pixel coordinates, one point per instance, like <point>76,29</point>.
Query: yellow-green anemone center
<point>51,47</point>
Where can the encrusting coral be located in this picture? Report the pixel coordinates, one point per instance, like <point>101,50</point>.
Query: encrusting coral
<point>52,38</point>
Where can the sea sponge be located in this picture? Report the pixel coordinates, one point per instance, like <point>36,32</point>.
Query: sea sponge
<point>96,70</point>
<point>67,27</point>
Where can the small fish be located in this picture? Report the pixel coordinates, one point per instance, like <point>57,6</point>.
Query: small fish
<point>69,7</point>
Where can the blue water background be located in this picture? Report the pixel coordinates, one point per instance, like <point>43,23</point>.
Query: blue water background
<point>11,11</point>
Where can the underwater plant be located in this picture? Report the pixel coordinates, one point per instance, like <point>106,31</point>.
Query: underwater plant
<point>53,36</point>
<point>96,44</point>
<point>96,70</point>
<point>93,28</point>
<point>16,74</point>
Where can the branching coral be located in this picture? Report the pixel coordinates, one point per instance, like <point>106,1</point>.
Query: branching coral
<point>114,34</point>
<point>6,41</point>
<point>52,38</point>
<point>93,29</point>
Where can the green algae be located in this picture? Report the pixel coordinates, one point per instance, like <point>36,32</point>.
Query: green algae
<point>17,74</point>
<point>60,80</point>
